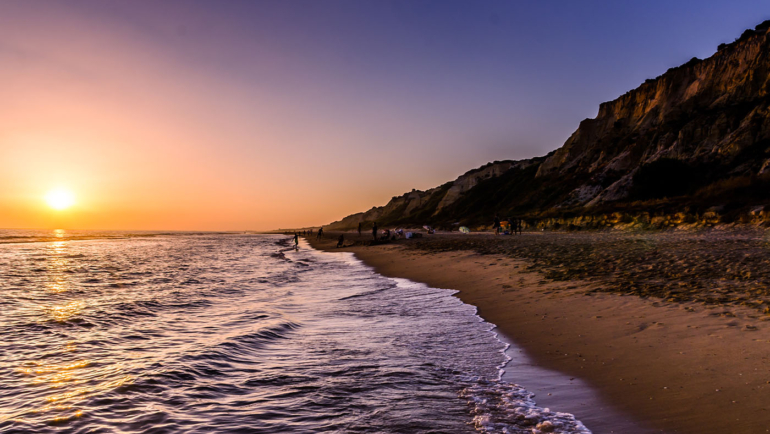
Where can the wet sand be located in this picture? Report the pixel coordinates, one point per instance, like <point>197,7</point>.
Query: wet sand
<point>668,327</point>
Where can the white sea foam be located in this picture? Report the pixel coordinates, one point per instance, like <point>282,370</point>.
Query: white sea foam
<point>500,407</point>
<point>495,406</point>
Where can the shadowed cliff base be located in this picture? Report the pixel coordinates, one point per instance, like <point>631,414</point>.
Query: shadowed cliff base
<point>692,144</point>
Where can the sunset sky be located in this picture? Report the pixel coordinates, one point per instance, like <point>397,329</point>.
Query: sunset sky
<point>235,115</point>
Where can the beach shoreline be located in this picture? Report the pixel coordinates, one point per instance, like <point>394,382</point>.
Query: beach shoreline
<point>675,366</point>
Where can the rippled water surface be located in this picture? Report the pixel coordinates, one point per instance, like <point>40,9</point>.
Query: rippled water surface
<point>202,333</point>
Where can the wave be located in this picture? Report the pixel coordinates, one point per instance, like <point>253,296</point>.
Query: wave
<point>500,407</point>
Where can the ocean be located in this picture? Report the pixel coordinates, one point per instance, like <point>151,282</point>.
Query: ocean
<point>117,332</point>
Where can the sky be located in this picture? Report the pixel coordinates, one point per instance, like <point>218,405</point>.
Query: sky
<point>257,115</point>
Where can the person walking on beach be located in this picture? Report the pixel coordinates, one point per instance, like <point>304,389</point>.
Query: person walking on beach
<point>374,231</point>
<point>496,225</point>
<point>296,240</point>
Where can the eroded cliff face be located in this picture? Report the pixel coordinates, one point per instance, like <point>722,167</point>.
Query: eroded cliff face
<point>425,204</point>
<point>469,180</point>
<point>693,141</point>
<point>702,112</point>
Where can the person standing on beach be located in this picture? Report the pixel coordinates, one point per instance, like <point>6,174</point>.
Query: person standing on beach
<point>359,229</point>
<point>320,233</point>
<point>296,240</point>
<point>374,231</point>
<point>496,226</point>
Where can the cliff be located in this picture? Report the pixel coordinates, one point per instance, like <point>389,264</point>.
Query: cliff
<point>422,206</point>
<point>694,140</point>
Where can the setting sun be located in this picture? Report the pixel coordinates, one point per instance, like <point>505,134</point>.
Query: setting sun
<point>60,199</point>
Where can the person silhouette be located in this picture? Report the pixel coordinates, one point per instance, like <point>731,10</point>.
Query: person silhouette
<point>374,231</point>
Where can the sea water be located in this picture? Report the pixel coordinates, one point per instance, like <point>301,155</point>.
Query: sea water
<point>229,333</point>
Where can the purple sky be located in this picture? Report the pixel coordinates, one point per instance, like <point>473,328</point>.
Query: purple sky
<point>337,105</point>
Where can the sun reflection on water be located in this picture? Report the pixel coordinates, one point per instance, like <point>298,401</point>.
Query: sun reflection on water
<point>57,267</point>
<point>64,312</point>
<point>82,392</point>
<point>81,384</point>
<point>68,383</point>
<point>57,286</point>
<point>56,375</point>
<point>45,369</point>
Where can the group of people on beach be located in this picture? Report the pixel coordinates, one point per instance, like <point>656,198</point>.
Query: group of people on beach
<point>509,227</point>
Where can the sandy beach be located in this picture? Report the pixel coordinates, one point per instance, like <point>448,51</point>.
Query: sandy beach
<point>668,327</point>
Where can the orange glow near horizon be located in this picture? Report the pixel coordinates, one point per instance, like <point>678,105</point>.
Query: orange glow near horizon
<point>150,159</point>
<point>154,128</point>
